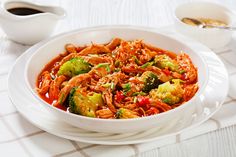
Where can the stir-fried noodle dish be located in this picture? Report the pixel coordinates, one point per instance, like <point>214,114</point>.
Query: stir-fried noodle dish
<point>118,80</point>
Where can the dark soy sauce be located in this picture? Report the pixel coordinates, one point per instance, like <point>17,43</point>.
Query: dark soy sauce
<point>23,11</point>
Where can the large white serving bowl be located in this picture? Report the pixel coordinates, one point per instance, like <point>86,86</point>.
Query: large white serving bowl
<point>53,47</point>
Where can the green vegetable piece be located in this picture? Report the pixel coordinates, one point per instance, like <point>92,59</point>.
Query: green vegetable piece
<point>167,100</point>
<point>123,113</point>
<point>150,80</point>
<point>136,60</point>
<point>84,105</point>
<point>163,61</point>
<point>147,64</point>
<point>169,93</point>
<point>106,85</point>
<point>109,85</point>
<point>139,93</point>
<point>126,87</point>
<point>96,99</point>
<point>112,86</point>
<point>106,65</point>
<point>182,71</point>
<point>73,67</point>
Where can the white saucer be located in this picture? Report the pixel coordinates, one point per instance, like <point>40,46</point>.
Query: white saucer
<point>209,103</point>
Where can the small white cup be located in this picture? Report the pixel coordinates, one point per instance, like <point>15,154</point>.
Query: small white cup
<point>212,37</point>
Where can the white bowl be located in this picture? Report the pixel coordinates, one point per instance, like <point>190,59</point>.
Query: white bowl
<point>212,37</point>
<point>53,47</point>
<point>29,29</point>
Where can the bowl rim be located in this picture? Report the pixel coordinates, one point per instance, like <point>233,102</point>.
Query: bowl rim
<point>33,5</point>
<point>105,27</point>
<point>226,9</point>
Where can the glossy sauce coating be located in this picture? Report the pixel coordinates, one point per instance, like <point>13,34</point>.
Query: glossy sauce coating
<point>24,11</point>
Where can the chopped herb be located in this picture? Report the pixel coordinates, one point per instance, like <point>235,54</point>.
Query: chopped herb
<point>109,85</point>
<point>100,65</point>
<point>182,71</point>
<point>108,69</point>
<point>147,64</point>
<point>136,60</point>
<point>126,87</point>
<point>135,99</point>
<point>139,93</point>
<point>106,65</point>
<point>106,85</point>
<point>112,86</point>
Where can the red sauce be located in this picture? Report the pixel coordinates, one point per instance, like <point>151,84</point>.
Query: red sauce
<point>50,68</point>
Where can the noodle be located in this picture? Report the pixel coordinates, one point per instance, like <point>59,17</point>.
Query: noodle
<point>121,79</point>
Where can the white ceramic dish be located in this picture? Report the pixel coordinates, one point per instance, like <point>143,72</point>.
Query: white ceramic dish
<point>30,107</point>
<point>46,52</point>
<point>211,37</point>
<point>28,29</point>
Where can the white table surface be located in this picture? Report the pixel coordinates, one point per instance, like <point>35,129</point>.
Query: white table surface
<point>84,13</point>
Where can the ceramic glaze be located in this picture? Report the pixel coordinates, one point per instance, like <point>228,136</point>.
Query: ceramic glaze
<point>47,51</point>
<point>26,27</point>
<point>207,10</point>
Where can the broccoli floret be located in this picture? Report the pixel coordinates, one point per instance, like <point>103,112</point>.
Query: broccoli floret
<point>126,87</point>
<point>96,99</point>
<point>169,93</point>
<point>73,67</point>
<point>163,61</point>
<point>84,105</point>
<point>150,80</point>
<point>123,113</point>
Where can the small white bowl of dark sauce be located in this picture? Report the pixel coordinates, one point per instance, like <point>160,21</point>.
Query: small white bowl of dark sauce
<point>28,23</point>
<point>212,13</point>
